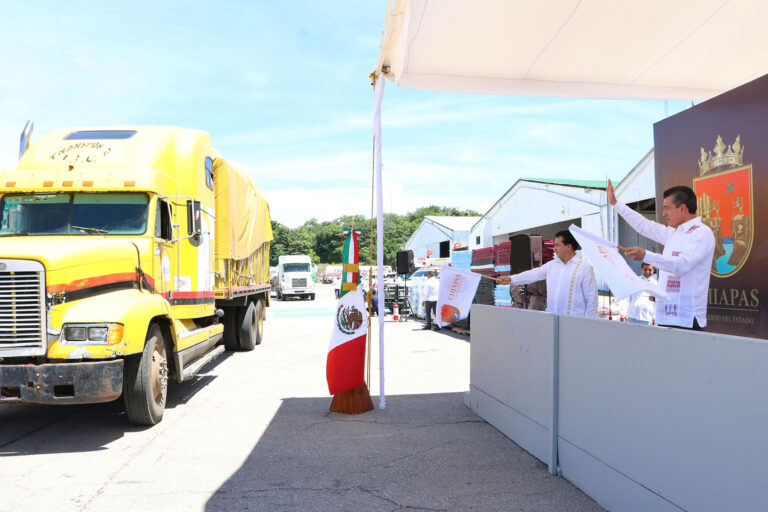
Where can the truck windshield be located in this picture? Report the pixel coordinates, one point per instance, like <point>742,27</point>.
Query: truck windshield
<point>76,213</point>
<point>296,267</point>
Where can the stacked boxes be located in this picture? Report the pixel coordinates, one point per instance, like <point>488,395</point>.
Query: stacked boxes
<point>482,263</point>
<point>485,294</point>
<point>502,255</point>
<point>461,259</point>
<point>501,295</point>
<point>502,258</point>
<point>494,262</point>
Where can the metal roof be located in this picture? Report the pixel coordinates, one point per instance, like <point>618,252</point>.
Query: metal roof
<point>453,223</point>
<point>570,183</point>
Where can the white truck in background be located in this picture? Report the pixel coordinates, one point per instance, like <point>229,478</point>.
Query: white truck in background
<point>294,277</point>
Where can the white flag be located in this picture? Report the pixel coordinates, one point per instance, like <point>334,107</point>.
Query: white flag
<point>612,267</point>
<point>457,289</point>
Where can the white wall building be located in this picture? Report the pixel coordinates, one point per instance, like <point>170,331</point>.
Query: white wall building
<point>546,206</point>
<point>435,230</point>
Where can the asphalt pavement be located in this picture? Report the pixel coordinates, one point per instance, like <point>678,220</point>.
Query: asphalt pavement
<point>253,432</point>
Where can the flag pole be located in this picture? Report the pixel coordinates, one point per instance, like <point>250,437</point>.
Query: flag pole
<point>370,269</point>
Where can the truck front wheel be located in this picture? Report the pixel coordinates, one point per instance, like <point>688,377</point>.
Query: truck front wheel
<point>311,296</point>
<point>145,381</point>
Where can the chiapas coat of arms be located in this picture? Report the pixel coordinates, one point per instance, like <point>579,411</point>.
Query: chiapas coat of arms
<point>725,204</point>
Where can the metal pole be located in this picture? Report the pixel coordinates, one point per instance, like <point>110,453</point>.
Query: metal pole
<point>553,462</point>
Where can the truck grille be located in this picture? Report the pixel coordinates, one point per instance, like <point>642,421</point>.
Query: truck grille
<point>22,307</point>
<point>299,283</point>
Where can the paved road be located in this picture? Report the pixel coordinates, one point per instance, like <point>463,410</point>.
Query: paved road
<point>254,433</point>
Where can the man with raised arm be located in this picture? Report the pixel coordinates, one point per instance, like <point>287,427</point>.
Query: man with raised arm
<point>571,285</point>
<point>684,264</point>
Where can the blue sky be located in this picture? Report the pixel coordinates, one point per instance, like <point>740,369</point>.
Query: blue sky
<point>282,87</point>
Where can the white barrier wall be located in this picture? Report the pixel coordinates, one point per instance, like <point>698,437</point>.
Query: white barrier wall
<point>511,383</point>
<point>648,418</point>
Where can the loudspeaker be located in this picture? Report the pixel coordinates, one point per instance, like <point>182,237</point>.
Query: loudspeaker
<point>520,255</point>
<point>445,249</point>
<point>405,262</point>
<point>537,250</point>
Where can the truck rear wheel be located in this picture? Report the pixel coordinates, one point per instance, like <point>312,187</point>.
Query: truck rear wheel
<point>311,296</point>
<point>145,381</point>
<point>251,325</point>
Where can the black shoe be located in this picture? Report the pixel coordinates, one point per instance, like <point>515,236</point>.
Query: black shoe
<point>427,328</point>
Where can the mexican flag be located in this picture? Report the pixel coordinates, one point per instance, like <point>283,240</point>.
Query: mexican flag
<point>345,366</point>
<point>350,278</point>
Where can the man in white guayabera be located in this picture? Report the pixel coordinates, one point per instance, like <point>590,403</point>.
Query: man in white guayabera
<point>639,308</point>
<point>571,285</point>
<point>685,263</point>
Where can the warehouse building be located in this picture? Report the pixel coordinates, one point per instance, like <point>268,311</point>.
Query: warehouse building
<point>437,236</point>
<point>545,206</point>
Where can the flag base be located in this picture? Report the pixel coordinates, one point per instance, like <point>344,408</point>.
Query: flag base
<point>353,401</point>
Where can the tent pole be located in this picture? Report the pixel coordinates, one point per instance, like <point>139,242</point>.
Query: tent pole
<point>378,94</point>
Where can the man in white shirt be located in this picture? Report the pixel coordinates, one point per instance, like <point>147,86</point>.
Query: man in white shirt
<point>686,261</point>
<point>638,308</point>
<point>571,284</point>
<point>431,290</point>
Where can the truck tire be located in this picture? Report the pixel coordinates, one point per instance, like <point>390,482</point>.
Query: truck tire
<point>145,381</point>
<point>311,296</point>
<point>280,295</point>
<point>251,325</point>
<point>231,328</point>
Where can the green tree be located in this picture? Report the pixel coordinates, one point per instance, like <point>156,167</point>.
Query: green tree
<point>279,242</point>
<point>329,242</point>
<point>324,241</point>
<point>302,241</point>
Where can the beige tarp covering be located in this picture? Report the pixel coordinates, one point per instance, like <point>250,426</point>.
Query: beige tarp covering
<point>242,214</point>
<point>682,49</point>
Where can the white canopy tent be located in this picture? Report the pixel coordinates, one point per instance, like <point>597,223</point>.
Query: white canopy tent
<point>629,49</point>
<point>654,49</point>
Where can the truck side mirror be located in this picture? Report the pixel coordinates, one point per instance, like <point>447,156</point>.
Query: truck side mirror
<point>194,218</point>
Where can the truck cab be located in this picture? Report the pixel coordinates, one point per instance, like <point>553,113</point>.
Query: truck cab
<point>294,277</point>
<point>122,265</point>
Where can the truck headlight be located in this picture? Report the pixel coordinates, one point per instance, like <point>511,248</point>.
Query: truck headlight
<point>98,334</point>
<point>75,334</point>
<point>92,334</point>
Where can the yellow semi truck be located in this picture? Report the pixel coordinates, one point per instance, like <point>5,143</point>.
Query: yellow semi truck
<point>128,256</point>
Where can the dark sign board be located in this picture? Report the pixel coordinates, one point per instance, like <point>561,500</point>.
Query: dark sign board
<point>720,149</point>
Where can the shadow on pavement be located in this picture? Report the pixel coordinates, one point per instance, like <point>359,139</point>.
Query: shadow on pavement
<point>445,331</point>
<point>35,429</point>
<point>423,452</point>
